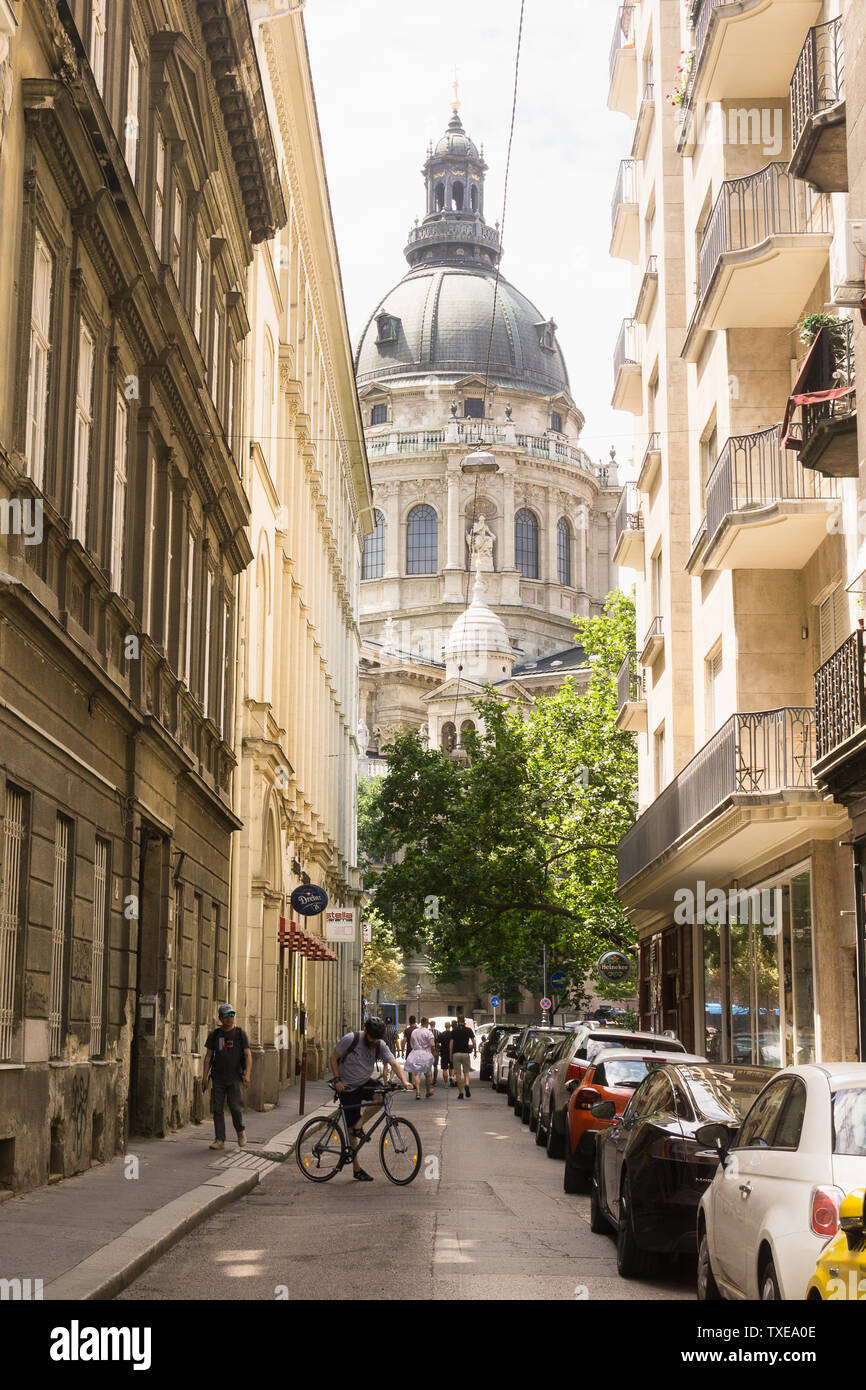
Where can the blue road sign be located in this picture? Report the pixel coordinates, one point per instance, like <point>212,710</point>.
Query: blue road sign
<point>558,980</point>
<point>495,1001</point>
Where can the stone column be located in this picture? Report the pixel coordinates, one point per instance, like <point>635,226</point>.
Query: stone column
<point>453,559</point>
<point>582,545</point>
<point>507,542</point>
<point>391,507</point>
<point>548,567</point>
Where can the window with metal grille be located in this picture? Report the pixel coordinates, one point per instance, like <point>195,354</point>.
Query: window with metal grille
<point>563,552</point>
<point>99,958</point>
<point>40,352</point>
<point>526,543</point>
<point>12,898</point>
<point>379,415</point>
<point>373,560</point>
<point>60,921</point>
<point>556,422</point>
<point>422,541</point>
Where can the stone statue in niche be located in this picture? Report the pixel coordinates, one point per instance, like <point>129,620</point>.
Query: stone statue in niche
<point>480,540</point>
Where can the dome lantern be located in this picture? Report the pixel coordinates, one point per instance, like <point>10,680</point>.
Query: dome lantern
<point>453,231</point>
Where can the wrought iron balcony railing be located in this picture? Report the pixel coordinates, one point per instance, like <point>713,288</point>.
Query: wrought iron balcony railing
<point>750,755</point>
<point>841,375</point>
<point>840,696</point>
<point>628,516</point>
<point>625,190</point>
<point>623,34</point>
<point>655,630</point>
<point>629,682</point>
<point>819,77</point>
<point>751,209</point>
<point>754,471</point>
<point>626,351</point>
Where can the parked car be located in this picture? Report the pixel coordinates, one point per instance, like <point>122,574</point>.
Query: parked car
<point>544,1061</point>
<point>502,1060</point>
<point>613,1075</point>
<point>535,1051</point>
<point>518,1054</point>
<point>589,1039</point>
<point>489,1046</point>
<point>775,1201</point>
<point>841,1271</point>
<point>651,1169</point>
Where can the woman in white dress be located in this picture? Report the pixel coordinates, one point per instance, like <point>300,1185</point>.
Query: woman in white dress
<point>420,1060</point>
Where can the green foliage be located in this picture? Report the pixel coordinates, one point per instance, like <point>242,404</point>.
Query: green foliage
<point>382,967</point>
<point>836,329</point>
<point>516,849</point>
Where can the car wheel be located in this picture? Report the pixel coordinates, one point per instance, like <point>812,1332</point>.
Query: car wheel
<point>708,1289</point>
<point>573,1178</point>
<point>540,1130</point>
<point>555,1141</point>
<point>769,1284</point>
<point>598,1222</point>
<point>524,1112</point>
<point>533,1121</point>
<point>499,1086</point>
<point>631,1261</point>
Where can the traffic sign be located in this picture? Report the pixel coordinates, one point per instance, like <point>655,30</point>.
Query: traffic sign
<point>558,980</point>
<point>495,1001</point>
<point>546,1004</point>
<point>614,966</point>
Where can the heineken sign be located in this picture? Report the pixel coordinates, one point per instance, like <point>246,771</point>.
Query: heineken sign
<point>614,966</point>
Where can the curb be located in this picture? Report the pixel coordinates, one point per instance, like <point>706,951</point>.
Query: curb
<point>282,1145</point>
<point>113,1267</point>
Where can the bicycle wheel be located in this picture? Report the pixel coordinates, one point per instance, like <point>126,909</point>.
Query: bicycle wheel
<point>400,1151</point>
<point>320,1150</point>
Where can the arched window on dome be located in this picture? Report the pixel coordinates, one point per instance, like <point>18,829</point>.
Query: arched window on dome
<point>422,541</point>
<point>373,559</point>
<point>439,194</point>
<point>448,738</point>
<point>526,543</point>
<point>467,727</point>
<point>457,195</point>
<point>473,198</point>
<point>563,552</point>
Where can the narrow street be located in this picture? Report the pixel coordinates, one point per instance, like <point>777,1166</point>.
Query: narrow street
<point>496,1224</point>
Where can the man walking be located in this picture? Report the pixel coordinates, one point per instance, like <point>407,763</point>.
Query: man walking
<point>228,1060</point>
<point>462,1038</point>
<point>445,1054</point>
<point>352,1063</point>
<point>407,1038</point>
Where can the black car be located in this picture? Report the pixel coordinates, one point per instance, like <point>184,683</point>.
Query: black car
<point>520,1045</point>
<point>650,1169</point>
<point>489,1046</point>
<point>536,1053</point>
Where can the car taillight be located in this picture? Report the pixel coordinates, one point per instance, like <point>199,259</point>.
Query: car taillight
<point>825,1210</point>
<point>585,1097</point>
<point>575,1071</point>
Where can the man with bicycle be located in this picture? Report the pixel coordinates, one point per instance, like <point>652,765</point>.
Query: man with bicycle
<point>353,1062</point>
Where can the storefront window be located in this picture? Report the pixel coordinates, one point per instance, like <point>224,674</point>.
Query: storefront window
<point>804,984</point>
<point>740,992</point>
<point>765,953</point>
<point>713,1031</point>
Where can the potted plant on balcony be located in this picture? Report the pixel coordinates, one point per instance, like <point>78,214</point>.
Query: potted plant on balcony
<point>677,96</point>
<point>837,332</point>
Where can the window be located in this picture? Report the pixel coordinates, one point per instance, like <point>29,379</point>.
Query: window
<point>178,962</point>
<point>59,932</point>
<point>709,455</point>
<point>849,1121</point>
<point>526,543</point>
<point>449,738</point>
<point>190,611</point>
<point>12,900</point>
<point>99,955</point>
<point>659,758</point>
<point>83,432</point>
<point>563,552</point>
<point>208,600</point>
<point>133,86</point>
<point>379,415</point>
<point>223,714</point>
<point>713,667</point>
<point>177,236</point>
<point>40,350</point>
<point>373,559</point>
<point>267,390</point>
<point>230,427</point>
<point>657,588</point>
<point>467,727</point>
<point>118,504</point>
<point>198,295</point>
<point>422,541</point>
<point>168,562</point>
<point>97,43</point>
<point>834,623</point>
<point>216,348</point>
<point>386,326</point>
<point>790,1125</point>
<point>473,408</point>
<point>556,422</point>
<point>757,1128</point>
<point>159,192</point>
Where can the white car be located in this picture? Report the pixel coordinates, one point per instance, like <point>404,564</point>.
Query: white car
<point>774,1202</point>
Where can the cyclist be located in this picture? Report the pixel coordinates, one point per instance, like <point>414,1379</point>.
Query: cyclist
<point>353,1061</point>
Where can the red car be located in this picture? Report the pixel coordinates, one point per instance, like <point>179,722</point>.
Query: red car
<point>596,1100</point>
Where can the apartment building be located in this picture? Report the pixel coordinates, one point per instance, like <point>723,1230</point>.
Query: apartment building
<point>745,535</point>
<point>311,503</point>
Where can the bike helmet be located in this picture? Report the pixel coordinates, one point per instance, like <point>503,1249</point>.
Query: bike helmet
<point>374,1028</point>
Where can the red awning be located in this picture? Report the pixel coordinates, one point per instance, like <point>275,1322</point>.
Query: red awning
<point>800,397</point>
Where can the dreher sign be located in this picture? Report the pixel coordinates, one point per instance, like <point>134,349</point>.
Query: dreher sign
<point>309,900</point>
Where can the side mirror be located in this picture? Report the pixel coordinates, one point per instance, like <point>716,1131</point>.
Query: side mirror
<point>511,1051</point>
<point>603,1110</point>
<point>718,1137</point>
<point>852,1218</point>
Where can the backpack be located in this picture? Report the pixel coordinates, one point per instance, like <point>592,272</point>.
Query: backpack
<point>356,1038</point>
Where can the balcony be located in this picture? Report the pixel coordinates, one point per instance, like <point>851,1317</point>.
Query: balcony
<point>764,510</point>
<point>631,697</point>
<point>628,549</point>
<point>819,136</point>
<point>648,290</point>
<point>653,644</point>
<point>746,48</point>
<point>622,93</point>
<point>765,245</point>
<point>651,463</point>
<point>826,393</point>
<point>624,214</point>
<point>747,796</point>
<point>627,382</point>
<point>644,121</point>
<point>840,722</point>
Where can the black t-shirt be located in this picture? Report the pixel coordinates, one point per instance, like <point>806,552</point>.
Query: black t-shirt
<point>228,1053</point>
<point>463,1038</point>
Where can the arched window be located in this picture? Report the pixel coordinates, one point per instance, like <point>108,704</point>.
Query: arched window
<point>440,197</point>
<point>467,727</point>
<point>457,196</point>
<point>473,198</point>
<point>563,552</point>
<point>422,541</point>
<point>526,543</point>
<point>373,559</point>
<point>449,738</point>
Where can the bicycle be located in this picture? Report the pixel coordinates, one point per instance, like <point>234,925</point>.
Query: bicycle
<point>324,1147</point>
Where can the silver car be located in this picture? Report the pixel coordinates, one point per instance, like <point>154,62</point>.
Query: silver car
<point>502,1059</point>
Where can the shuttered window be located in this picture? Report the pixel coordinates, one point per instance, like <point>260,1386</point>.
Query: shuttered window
<point>11,910</point>
<point>714,677</point>
<point>834,622</point>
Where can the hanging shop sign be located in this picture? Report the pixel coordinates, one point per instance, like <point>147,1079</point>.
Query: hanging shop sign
<point>309,900</point>
<point>340,924</point>
<point>614,966</point>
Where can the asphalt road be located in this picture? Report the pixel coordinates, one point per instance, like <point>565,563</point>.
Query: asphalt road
<point>488,1219</point>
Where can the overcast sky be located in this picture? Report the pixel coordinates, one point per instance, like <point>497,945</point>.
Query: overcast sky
<point>382,71</point>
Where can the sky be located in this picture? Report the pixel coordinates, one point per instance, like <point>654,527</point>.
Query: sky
<point>383,73</point>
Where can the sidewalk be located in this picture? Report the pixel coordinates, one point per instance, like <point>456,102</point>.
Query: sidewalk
<point>89,1236</point>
